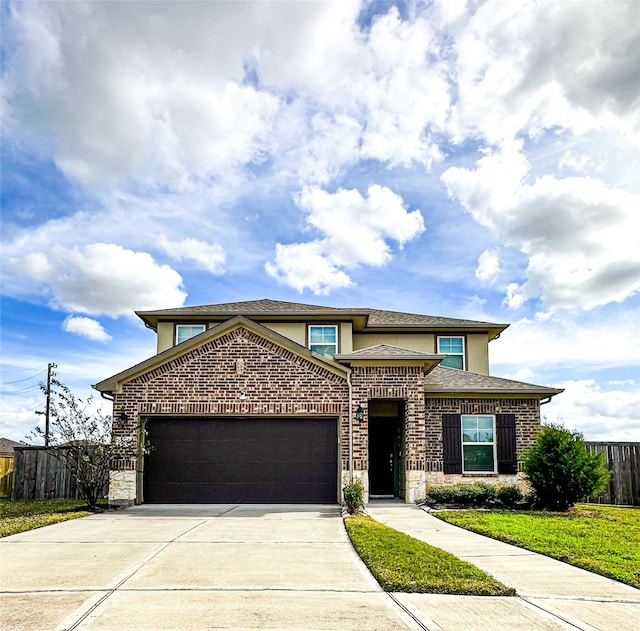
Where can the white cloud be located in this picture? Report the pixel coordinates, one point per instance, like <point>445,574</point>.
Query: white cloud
<point>544,65</point>
<point>306,265</point>
<point>574,351</point>
<point>157,104</point>
<point>210,256</point>
<point>559,343</point>
<point>577,163</point>
<point>17,415</point>
<point>580,235</point>
<point>333,143</point>
<point>355,229</point>
<point>598,413</point>
<point>247,84</point>
<point>87,327</point>
<point>102,278</point>
<point>405,93</point>
<point>488,265</point>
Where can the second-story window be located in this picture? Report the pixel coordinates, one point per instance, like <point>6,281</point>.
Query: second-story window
<point>323,339</point>
<point>185,331</point>
<point>453,348</point>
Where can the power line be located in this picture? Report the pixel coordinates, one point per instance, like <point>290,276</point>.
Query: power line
<point>8,392</point>
<point>10,383</point>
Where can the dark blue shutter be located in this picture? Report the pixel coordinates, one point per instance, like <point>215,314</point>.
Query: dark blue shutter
<point>506,447</point>
<point>452,443</point>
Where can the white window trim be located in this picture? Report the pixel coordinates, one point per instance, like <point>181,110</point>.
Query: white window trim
<point>495,445</point>
<point>179,326</point>
<point>334,326</point>
<point>464,348</point>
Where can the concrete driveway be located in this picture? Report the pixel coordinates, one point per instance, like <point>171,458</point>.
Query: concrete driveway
<point>193,567</point>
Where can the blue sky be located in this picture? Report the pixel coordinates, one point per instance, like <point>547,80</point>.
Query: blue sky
<point>463,159</point>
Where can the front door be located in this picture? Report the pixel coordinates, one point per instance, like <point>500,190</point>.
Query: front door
<point>384,452</point>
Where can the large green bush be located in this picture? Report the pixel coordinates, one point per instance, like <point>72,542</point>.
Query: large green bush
<point>560,469</point>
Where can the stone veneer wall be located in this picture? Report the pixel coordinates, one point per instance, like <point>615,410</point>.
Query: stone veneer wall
<point>527,413</point>
<point>239,373</point>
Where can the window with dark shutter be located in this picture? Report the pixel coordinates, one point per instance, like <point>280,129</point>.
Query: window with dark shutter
<point>452,445</point>
<point>506,447</point>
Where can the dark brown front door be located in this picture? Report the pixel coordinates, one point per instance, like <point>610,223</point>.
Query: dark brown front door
<point>241,460</point>
<point>383,456</point>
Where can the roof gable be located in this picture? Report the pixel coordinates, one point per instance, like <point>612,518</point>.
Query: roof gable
<point>113,384</point>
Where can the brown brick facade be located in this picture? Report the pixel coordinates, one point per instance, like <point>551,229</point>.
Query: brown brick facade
<point>244,373</point>
<point>527,412</point>
<point>239,373</point>
<point>405,383</point>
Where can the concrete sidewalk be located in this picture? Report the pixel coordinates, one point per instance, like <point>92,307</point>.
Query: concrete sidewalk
<point>552,594</point>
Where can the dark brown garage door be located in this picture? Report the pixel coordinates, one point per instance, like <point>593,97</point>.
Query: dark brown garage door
<point>239,460</point>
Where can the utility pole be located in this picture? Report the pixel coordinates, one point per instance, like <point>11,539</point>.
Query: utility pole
<point>47,414</point>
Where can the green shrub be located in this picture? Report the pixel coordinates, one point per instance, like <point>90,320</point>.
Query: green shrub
<point>353,494</point>
<point>509,495</point>
<point>475,494</point>
<point>560,469</point>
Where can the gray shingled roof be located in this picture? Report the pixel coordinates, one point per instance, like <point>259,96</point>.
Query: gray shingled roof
<point>381,317</point>
<point>249,306</point>
<point>7,445</point>
<point>375,317</point>
<point>383,351</point>
<point>443,379</point>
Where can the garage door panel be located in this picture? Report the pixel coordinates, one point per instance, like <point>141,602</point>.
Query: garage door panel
<point>241,461</point>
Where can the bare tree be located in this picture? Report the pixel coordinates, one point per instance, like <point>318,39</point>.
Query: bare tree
<point>79,437</point>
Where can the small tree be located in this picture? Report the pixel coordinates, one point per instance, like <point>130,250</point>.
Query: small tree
<point>560,469</point>
<point>80,438</point>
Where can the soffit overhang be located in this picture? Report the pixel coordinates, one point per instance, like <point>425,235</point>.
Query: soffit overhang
<point>539,393</point>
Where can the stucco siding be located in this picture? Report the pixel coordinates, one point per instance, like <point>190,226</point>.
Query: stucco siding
<point>165,335</point>
<point>296,331</point>
<point>424,342</point>
<point>478,353</point>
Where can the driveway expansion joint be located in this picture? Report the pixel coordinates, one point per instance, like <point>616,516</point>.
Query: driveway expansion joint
<point>137,567</point>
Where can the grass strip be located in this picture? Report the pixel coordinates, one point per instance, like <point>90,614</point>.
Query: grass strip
<point>401,563</point>
<point>601,539</point>
<point>22,515</point>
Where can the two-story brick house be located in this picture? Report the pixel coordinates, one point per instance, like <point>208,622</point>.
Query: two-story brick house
<point>268,401</point>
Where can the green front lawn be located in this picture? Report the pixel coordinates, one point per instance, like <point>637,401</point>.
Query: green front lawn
<point>602,539</point>
<point>20,515</point>
<point>401,563</point>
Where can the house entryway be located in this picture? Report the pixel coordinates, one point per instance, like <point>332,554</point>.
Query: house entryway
<point>385,448</point>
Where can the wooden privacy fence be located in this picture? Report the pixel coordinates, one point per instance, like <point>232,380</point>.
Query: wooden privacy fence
<point>6,475</point>
<point>39,475</point>
<point>623,460</point>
